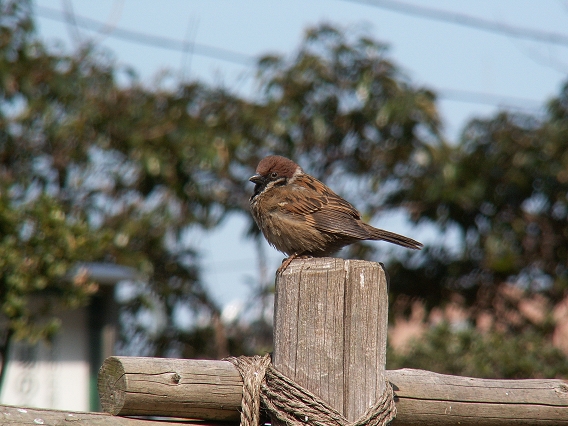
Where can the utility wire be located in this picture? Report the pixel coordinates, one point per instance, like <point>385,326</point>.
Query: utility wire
<point>151,40</point>
<point>468,21</point>
<point>242,59</point>
<point>489,99</point>
<point>69,16</point>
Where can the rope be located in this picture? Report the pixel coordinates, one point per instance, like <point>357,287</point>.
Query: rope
<point>252,370</point>
<point>292,404</point>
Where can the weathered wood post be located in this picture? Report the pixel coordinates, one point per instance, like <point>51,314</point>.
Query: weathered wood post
<point>330,330</point>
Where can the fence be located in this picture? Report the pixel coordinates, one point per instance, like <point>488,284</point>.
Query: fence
<point>330,340</point>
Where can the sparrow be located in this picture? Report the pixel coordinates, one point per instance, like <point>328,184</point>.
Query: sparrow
<point>301,217</point>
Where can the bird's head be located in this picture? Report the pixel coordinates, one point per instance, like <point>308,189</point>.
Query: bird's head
<point>273,170</point>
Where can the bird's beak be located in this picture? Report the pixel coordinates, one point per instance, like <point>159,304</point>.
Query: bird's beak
<point>256,178</point>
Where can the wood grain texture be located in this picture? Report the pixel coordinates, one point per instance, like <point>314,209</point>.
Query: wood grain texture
<point>170,387</point>
<point>330,328</point>
<point>10,415</point>
<point>423,397</point>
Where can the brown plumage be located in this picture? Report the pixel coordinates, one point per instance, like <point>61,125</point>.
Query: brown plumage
<point>300,216</point>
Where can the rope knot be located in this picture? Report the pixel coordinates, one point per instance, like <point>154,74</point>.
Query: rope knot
<point>292,404</point>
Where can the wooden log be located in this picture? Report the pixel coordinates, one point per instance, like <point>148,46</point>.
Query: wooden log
<point>10,415</point>
<point>330,330</point>
<point>199,389</point>
<point>422,397</point>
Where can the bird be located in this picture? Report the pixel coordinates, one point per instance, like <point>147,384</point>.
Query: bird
<point>302,217</point>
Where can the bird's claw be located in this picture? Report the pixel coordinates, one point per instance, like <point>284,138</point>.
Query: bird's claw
<point>286,262</point>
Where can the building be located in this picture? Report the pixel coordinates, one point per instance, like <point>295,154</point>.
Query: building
<point>63,374</point>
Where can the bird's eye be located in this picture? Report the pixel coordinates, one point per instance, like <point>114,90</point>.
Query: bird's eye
<point>273,175</point>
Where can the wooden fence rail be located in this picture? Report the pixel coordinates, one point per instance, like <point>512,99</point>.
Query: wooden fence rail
<point>18,416</point>
<point>131,386</point>
<point>212,390</point>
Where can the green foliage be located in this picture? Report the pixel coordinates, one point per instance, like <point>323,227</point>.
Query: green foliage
<point>504,188</point>
<point>344,109</point>
<point>39,248</point>
<point>91,169</point>
<point>147,165</point>
<point>125,167</point>
<point>491,355</point>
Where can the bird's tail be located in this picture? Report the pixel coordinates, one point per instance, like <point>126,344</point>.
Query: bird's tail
<point>391,237</point>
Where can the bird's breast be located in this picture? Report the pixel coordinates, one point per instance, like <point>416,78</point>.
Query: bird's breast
<point>287,232</point>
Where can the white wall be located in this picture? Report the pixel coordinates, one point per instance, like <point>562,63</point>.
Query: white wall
<point>51,376</point>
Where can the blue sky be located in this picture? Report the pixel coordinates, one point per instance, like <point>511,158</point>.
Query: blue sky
<point>474,71</point>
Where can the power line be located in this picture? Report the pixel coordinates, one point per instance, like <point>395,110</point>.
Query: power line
<point>468,21</point>
<point>242,59</point>
<point>489,99</point>
<point>151,40</point>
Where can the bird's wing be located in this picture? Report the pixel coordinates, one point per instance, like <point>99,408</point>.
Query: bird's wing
<point>323,209</point>
<point>337,220</point>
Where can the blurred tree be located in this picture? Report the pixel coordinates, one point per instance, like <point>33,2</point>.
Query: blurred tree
<point>492,355</point>
<point>503,187</point>
<point>94,171</point>
<point>341,109</point>
<point>147,165</point>
<point>39,249</point>
<point>41,238</point>
<point>143,167</point>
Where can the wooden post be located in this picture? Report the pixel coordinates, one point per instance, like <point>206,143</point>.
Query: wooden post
<point>330,330</point>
